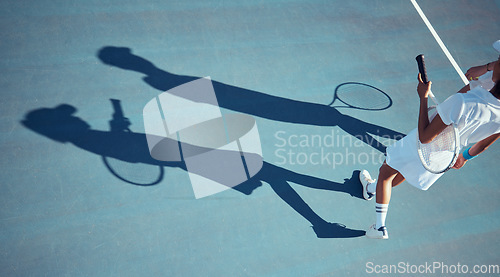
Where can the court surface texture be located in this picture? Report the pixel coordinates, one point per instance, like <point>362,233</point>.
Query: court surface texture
<point>88,205</point>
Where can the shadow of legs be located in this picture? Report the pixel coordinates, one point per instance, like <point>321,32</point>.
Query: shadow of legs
<point>278,179</point>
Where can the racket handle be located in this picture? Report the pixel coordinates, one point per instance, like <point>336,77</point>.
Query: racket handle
<point>431,95</point>
<point>423,73</point>
<point>421,68</point>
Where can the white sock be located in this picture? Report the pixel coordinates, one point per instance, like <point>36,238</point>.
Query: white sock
<point>372,187</point>
<point>381,211</point>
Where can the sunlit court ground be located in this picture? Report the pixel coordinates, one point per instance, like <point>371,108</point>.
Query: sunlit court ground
<point>81,195</point>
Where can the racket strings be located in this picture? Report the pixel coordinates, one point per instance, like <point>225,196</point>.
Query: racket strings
<point>440,152</point>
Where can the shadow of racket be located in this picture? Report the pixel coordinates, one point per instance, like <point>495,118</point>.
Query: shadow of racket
<point>132,173</point>
<point>361,96</point>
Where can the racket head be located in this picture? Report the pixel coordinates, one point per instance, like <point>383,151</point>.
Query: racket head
<point>442,152</point>
<point>361,96</point>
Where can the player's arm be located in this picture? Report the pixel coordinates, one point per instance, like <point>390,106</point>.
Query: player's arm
<point>476,71</point>
<point>476,149</point>
<point>427,131</point>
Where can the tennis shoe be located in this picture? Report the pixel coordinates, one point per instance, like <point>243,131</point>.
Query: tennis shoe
<point>366,179</point>
<point>374,233</point>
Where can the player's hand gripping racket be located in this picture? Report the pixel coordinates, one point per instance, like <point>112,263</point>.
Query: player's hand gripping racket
<point>442,152</point>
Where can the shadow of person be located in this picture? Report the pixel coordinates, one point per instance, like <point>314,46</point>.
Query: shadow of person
<point>278,178</point>
<point>61,125</point>
<point>252,102</point>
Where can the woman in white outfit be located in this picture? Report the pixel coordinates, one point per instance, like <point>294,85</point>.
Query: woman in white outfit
<point>477,117</point>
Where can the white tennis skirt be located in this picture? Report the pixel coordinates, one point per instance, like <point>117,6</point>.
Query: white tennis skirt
<point>403,157</point>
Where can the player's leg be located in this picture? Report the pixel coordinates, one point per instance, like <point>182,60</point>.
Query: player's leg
<point>388,177</point>
<point>398,179</point>
<point>369,185</point>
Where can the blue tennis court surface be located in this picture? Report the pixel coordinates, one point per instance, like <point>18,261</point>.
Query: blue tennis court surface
<point>81,195</point>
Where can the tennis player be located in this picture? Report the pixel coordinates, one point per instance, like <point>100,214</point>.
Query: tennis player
<point>477,116</point>
<point>479,76</point>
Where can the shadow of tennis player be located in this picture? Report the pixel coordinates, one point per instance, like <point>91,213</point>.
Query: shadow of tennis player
<point>60,124</point>
<point>252,102</point>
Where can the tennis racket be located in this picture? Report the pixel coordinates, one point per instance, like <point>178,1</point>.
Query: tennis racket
<point>361,96</point>
<point>442,152</point>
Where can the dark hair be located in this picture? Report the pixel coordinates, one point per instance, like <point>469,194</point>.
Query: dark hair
<point>496,89</point>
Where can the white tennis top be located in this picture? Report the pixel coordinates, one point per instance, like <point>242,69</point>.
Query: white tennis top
<point>484,81</point>
<point>477,116</point>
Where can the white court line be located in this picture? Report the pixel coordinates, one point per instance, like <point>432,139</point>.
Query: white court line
<point>440,42</point>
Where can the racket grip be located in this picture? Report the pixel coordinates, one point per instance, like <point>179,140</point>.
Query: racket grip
<point>421,67</point>
<point>433,98</point>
